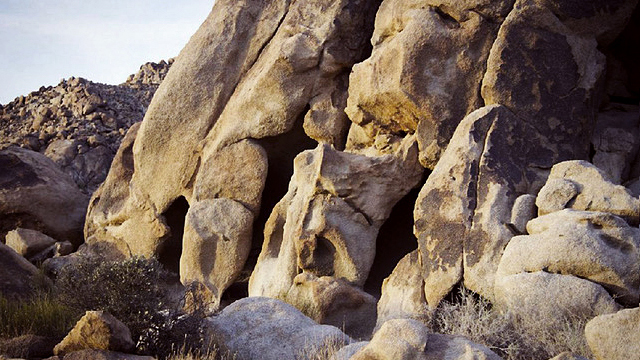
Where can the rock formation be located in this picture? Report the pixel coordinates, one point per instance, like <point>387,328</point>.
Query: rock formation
<point>285,133</point>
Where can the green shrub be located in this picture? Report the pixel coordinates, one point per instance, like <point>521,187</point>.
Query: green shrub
<point>510,337</point>
<point>131,290</point>
<point>41,315</point>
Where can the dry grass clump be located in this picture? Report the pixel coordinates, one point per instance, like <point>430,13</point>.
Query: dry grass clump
<point>511,337</point>
<point>40,315</point>
<point>322,351</point>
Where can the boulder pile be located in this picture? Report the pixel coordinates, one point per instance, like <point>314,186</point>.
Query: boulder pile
<point>280,151</point>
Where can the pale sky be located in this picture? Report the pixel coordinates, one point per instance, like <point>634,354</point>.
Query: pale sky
<point>44,41</point>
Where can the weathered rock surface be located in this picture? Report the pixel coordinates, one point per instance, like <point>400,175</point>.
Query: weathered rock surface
<point>403,294</point>
<point>16,274</point>
<point>427,63</point>
<point>400,339</point>
<point>96,330</point>
<point>28,242</point>
<point>594,246</point>
<point>334,302</point>
<point>410,339</point>
<point>463,213</point>
<point>551,81</point>
<point>580,185</point>
<point>548,299</point>
<point>36,194</point>
<point>217,240</point>
<point>78,123</point>
<point>263,328</point>
<point>28,347</point>
<point>615,336</point>
<point>328,221</point>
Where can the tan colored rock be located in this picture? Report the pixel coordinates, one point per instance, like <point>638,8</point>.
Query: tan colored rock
<point>116,187</point>
<point>615,336</point>
<point>424,71</point>
<point>328,222</point>
<point>524,210</point>
<point>556,195</point>
<point>217,240</point>
<point>548,300</point>
<point>410,339</point>
<point>463,215</point>
<point>595,192</point>
<point>96,330</point>
<point>27,242</point>
<point>398,339</point>
<point>403,294</point>
<point>36,194</point>
<point>595,246</point>
<point>263,328</point>
<point>551,81</point>
<point>334,302</point>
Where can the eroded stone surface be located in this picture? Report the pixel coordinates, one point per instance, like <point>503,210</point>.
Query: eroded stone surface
<point>328,222</point>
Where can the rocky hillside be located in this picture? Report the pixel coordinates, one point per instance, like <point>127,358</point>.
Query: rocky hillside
<point>356,163</point>
<point>78,123</point>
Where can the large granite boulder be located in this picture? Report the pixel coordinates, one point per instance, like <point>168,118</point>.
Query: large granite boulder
<point>615,336</point>
<point>36,194</point>
<point>580,185</point>
<point>263,328</point>
<point>592,246</point>
<point>16,274</point>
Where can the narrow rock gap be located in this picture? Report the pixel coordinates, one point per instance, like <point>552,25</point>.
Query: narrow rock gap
<point>395,240</point>
<point>171,248</point>
<point>281,150</point>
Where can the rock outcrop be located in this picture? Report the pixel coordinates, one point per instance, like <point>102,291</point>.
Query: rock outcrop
<point>35,194</point>
<point>285,133</point>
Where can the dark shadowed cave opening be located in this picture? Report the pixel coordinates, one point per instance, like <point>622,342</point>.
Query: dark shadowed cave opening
<point>171,248</point>
<point>395,240</point>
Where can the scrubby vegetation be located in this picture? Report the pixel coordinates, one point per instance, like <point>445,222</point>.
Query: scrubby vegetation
<point>135,291</point>
<point>511,337</point>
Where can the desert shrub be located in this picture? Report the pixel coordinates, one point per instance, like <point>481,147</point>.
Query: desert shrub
<point>41,315</point>
<point>509,336</point>
<point>131,290</point>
